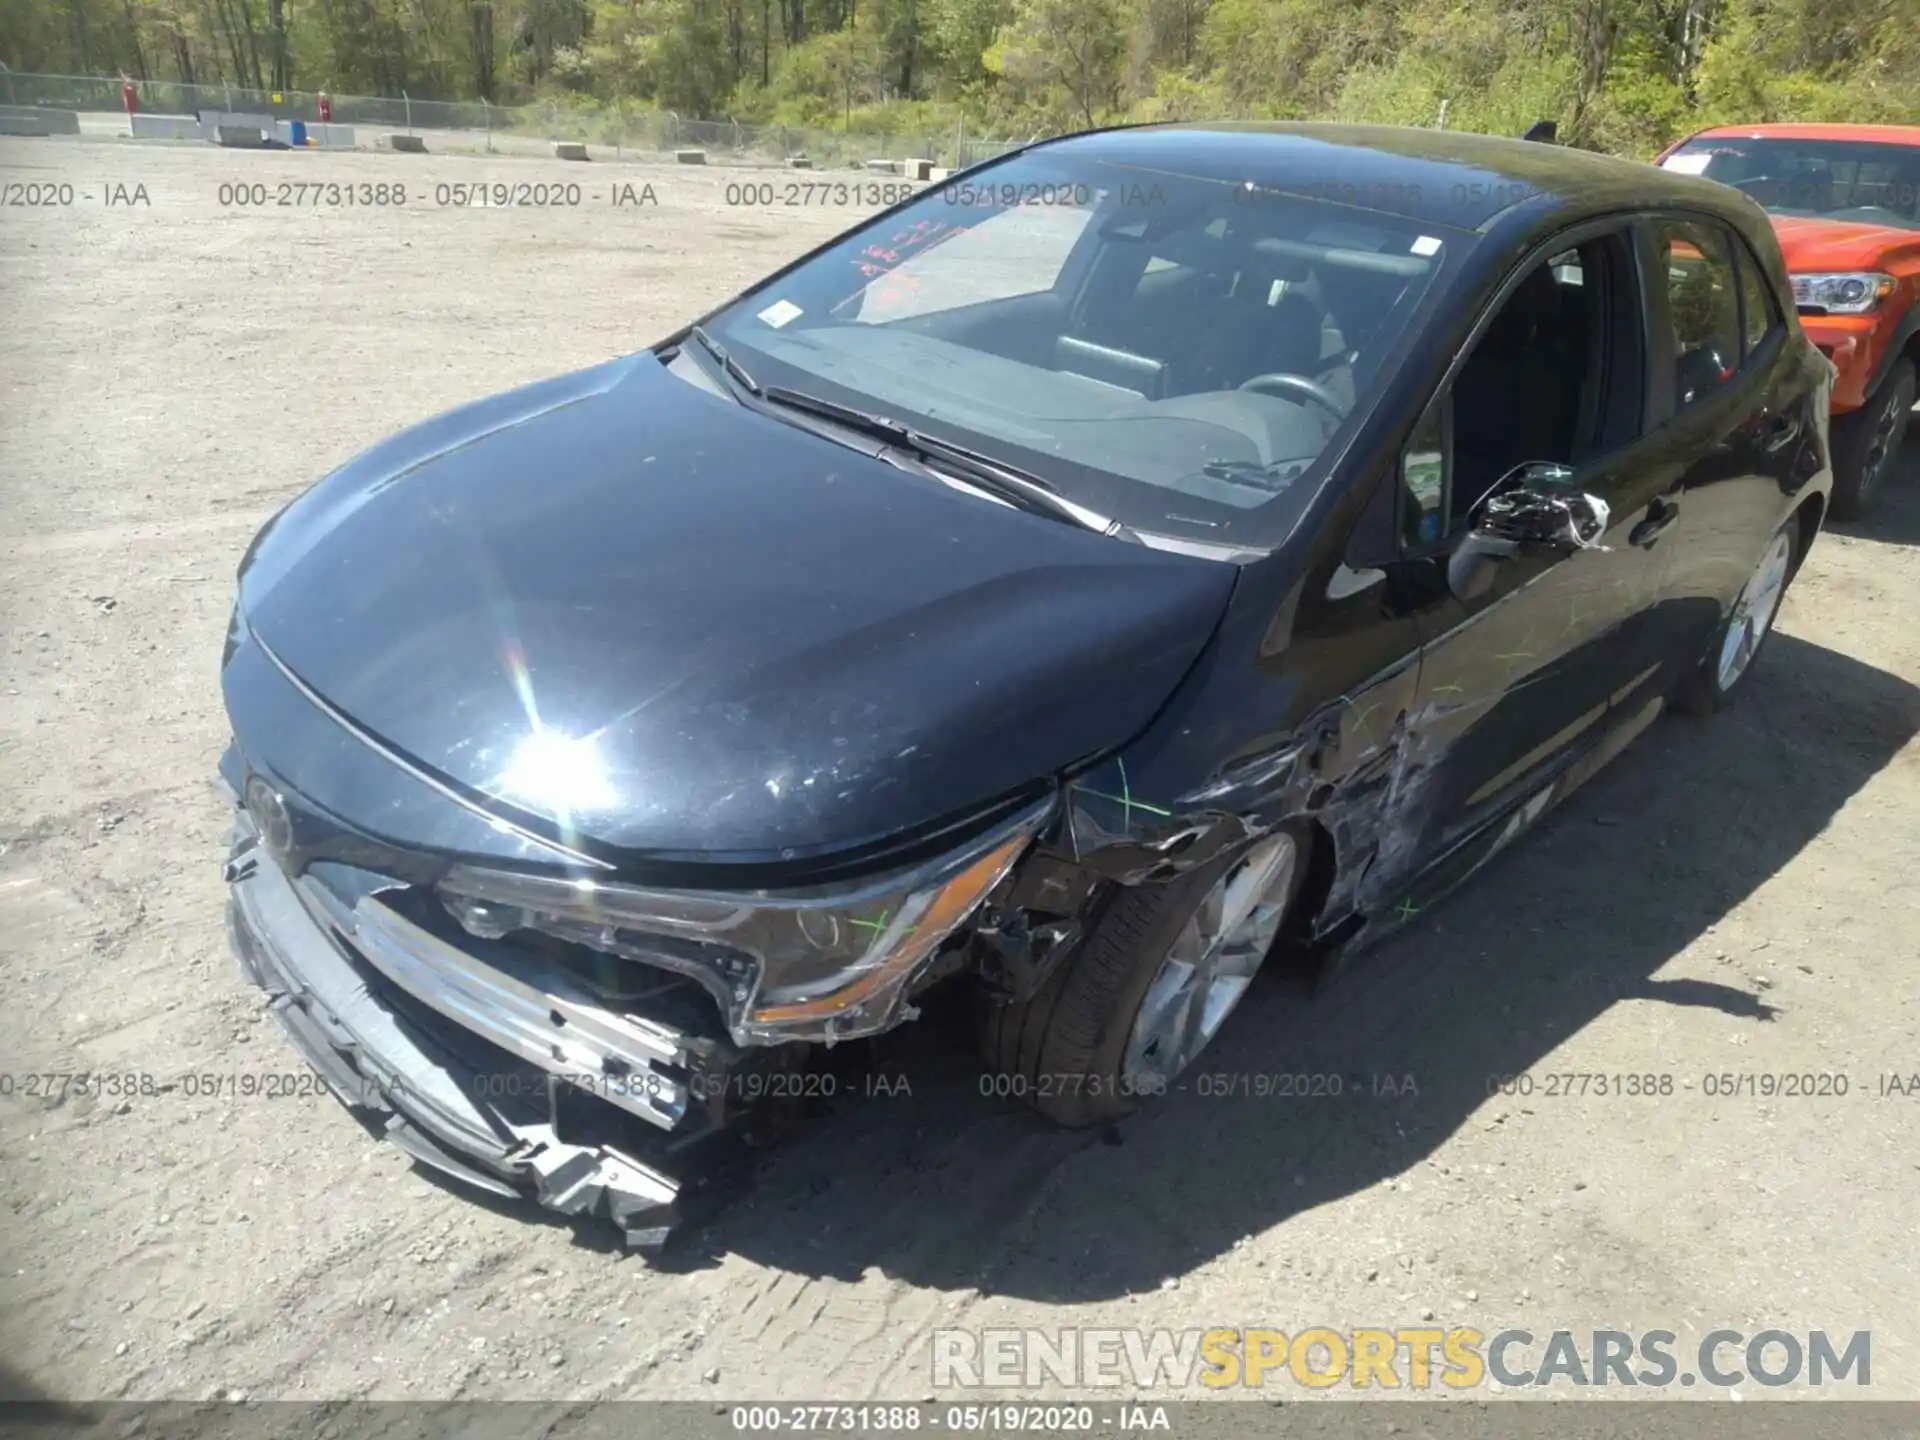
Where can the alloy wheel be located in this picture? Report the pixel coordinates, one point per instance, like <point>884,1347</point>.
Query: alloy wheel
<point>1754,611</point>
<point>1210,964</point>
<point>1880,446</point>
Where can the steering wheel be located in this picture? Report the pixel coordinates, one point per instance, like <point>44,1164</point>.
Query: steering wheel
<point>1283,382</point>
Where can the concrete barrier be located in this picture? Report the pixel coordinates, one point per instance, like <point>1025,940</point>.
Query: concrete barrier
<point>213,121</point>
<point>884,167</point>
<point>938,173</point>
<point>164,127</point>
<point>569,150</point>
<point>799,162</point>
<point>690,157</point>
<point>38,120</point>
<point>916,169</point>
<point>407,144</point>
<point>239,137</point>
<point>319,135</point>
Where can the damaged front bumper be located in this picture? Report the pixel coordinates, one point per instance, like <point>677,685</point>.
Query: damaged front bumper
<point>569,1041</point>
<point>489,1068</point>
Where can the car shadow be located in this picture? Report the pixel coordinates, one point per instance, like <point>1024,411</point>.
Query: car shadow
<point>925,1177</point>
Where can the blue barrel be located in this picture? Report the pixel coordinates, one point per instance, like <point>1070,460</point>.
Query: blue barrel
<point>296,132</point>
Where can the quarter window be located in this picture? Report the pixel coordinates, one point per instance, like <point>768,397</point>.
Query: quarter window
<point>1423,471</point>
<point>1704,305</point>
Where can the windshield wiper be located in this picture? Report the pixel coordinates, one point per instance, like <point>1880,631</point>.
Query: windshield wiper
<point>1017,487</point>
<point>732,367</point>
<point>1272,478</point>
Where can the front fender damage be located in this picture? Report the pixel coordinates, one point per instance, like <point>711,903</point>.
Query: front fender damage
<point>1358,799</point>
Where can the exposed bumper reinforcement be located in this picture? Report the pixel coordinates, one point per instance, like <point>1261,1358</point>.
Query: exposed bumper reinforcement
<point>430,1093</point>
<point>543,1021</point>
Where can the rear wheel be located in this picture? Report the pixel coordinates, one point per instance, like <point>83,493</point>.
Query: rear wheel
<point>1149,986</point>
<point>1745,629</point>
<point>1866,443</point>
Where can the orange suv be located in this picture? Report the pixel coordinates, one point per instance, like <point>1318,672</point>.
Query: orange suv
<point>1845,202</point>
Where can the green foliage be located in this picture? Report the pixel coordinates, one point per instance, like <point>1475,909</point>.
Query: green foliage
<point>1627,76</point>
<point>670,51</point>
<point>1288,59</point>
<point>1062,58</point>
<point>1844,60</point>
<point>822,80</point>
<point>958,35</point>
<point>1180,95</point>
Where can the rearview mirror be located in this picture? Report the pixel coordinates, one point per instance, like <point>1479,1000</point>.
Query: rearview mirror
<point>1539,505</point>
<point>1535,507</point>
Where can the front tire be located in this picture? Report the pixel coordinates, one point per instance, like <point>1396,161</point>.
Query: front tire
<point>1155,976</point>
<point>1737,642</point>
<point>1866,443</point>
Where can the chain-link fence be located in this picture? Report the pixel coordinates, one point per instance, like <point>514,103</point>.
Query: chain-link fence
<point>476,125</point>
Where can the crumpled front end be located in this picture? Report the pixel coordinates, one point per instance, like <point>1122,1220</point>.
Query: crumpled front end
<point>441,1051</point>
<point>512,1014</point>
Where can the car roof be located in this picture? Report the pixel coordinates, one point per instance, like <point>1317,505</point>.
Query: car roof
<point>1442,177</point>
<point>1881,134</point>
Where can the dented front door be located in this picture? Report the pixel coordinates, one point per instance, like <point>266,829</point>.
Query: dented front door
<point>1516,684</point>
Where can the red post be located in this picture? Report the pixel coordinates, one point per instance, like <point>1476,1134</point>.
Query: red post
<point>130,95</point>
<point>326,109</point>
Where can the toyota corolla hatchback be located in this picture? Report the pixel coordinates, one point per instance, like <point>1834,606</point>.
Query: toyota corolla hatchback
<point>1146,555</point>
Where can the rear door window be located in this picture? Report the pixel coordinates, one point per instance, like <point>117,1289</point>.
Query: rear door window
<point>1703,303</point>
<point>1759,314</point>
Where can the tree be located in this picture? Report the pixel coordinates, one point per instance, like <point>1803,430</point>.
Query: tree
<point>1065,53</point>
<point>1621,75</point>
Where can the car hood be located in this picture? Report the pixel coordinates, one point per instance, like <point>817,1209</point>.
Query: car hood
<point>655,621</point>
<point>1814,245</point>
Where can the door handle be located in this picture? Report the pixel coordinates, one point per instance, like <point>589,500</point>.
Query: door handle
<point>1660,514</point>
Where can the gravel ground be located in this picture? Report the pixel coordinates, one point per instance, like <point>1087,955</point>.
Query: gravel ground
<point>1734,896</point>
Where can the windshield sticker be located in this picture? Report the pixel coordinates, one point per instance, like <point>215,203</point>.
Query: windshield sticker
<point>1688,164</point>
<point>1427,245</point>
<point>781,312</point>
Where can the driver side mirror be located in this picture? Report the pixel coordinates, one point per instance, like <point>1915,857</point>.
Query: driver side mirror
<point>1534,508</point>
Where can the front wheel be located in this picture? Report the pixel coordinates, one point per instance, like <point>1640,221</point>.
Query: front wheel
<point>1866,443</point>
<point>1150,984</point>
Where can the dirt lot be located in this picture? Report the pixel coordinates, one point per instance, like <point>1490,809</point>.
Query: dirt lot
<point>1735,896</point>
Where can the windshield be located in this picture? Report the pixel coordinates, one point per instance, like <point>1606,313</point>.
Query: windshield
<point>1867,182</point>
<point>1173,351</point>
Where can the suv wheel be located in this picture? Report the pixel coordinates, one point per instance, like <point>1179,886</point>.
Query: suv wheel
<point>1157,973</point>
<point>1866,443</point>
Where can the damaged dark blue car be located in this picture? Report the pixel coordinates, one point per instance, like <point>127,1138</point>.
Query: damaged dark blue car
<point>1138,558</point>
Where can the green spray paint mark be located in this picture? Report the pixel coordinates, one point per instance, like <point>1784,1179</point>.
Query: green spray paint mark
<point>1125,799</point>
<point>874,925</point>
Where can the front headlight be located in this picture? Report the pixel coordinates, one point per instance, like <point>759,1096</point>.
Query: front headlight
<point>1842,292</point>
<point>827,964</point>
